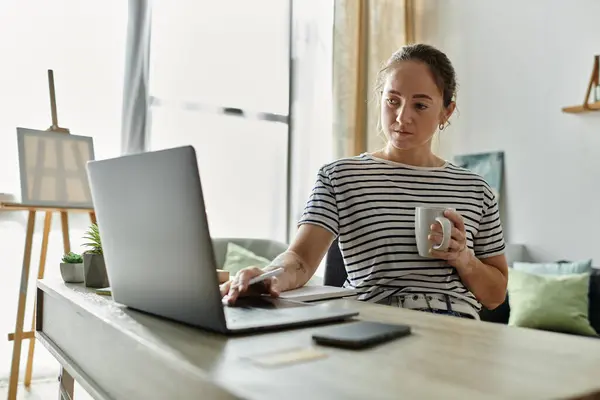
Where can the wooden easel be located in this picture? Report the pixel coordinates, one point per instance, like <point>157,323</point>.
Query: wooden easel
<point>18,336</point>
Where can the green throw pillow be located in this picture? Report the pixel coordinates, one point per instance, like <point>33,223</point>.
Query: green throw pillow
<point>238,258</point>
<point>555,268</point>
<point>557,303</point>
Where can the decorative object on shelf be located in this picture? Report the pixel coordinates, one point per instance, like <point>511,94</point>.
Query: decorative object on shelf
<point>71,268</point>
<point>489,165</point>
<point>593,89</point>
<point>95,275</point>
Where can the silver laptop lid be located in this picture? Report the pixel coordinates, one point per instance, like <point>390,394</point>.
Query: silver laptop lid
<point>157,246</point>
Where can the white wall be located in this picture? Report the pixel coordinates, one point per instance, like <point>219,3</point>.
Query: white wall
<point>518,62</point>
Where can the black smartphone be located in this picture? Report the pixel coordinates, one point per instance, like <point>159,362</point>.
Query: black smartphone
<point>360,334</point>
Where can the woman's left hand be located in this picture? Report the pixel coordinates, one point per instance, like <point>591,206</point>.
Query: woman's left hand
<point>458,254</point>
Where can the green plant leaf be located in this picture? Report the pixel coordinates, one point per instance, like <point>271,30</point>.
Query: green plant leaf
<point>72,258</point>
<point>92,235</point>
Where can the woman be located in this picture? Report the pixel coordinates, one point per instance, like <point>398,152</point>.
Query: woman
<point>368,202</point>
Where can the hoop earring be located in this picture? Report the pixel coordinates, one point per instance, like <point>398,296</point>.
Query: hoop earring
<point>441,127</point>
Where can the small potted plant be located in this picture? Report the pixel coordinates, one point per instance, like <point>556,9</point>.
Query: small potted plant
<point>93,260</point>
<point>71,268</point>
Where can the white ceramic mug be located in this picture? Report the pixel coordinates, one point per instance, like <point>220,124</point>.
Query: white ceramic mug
<point>424,218</point>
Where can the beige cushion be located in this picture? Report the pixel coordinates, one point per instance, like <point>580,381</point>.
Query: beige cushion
<point>239,257</point>
<point>265,248</point>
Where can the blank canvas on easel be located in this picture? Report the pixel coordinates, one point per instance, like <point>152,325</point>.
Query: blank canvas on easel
<point>53,168</point>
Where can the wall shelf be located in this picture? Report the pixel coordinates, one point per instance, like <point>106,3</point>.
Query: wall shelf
<point>584,108</point>
<point>592,89</point>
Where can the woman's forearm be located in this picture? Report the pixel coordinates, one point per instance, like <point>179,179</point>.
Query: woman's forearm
<point>296,271</point>
<point>486,282</point>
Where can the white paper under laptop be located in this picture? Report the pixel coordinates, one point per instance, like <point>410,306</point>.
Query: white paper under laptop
<point>317,292</point>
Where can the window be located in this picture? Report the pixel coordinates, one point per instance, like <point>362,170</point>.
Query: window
<point>242,166</point>
<point>73,39</point>
<point>219,81</point>
<point>84,44</point>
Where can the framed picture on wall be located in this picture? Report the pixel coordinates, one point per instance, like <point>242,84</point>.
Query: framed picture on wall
<point>488,165</point>
<point>52,168</point>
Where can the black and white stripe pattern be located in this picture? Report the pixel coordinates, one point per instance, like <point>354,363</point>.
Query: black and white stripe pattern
<point>369,203</point>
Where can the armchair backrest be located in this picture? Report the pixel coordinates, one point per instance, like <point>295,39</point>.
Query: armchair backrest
<point>335,269</point>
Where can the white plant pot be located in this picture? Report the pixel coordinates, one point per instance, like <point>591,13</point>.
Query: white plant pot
<point>71,273</point>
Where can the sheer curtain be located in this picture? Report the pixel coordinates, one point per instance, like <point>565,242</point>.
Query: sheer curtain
<point>219,81</point>
<point>83,43</point>
<point>386,33</point>
<point>136,97</point>
<point>358,54</point>
<point>312,133</point>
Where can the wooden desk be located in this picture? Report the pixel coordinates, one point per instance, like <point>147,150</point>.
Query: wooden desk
<point>19,334</point>
<point>118,353</point>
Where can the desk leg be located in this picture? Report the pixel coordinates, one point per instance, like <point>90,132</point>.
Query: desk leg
<point>43,253</point>
<point>16,357</point>
<point>66,385</point>
<point>64,218</point>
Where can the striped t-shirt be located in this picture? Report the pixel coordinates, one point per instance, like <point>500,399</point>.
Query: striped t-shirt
<point>369,204</point>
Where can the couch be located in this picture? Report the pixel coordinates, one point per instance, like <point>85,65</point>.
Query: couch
<point>501,314</point>
<point>335,275</point>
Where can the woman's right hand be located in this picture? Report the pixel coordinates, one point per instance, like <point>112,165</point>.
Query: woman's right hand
<point>238,285</point>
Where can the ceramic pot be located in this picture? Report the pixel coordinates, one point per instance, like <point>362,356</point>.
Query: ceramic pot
<point>71,273</point>
<point>94,271</point>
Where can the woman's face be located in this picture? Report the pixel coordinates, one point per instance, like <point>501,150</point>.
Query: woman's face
<point>411,106</point>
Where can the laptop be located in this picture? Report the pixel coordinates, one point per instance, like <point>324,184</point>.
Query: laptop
<point>158,250</point>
